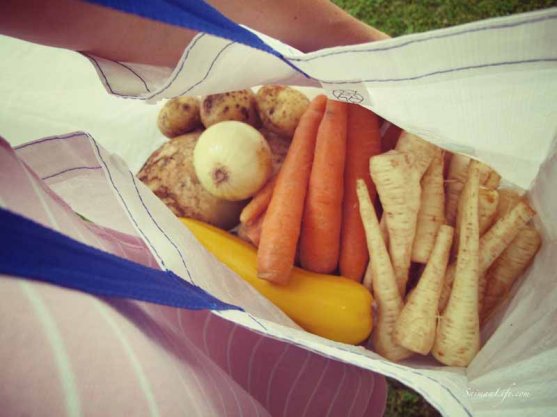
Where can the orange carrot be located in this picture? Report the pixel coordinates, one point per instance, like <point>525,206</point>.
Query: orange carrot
<point>362,142</point>
<point>258,203</point>
<point>282,224</point>
<point>252,231</point>
<point>389,136</point>
<point>320,236</point>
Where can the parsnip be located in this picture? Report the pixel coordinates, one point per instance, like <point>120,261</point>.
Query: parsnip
<point>458,331</point>
<point>489,200</point>
<point>416,325</point>
<point>385,290</point>
<point>456,177</point>
<point>398,187</point>
<point>492,244</point>
<point>384,230</point>
<point>431,214</point>
<point>498,237</point>
<point>367,280</point>
<point>509,266</point>
<point>508,198</point>
<point>447,287</point>
<point>422,151</point>
<point>487,211</point>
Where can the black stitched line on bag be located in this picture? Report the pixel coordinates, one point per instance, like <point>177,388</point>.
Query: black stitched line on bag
<point>215,59</point>
<point>134,73</point>
<point>71,169</point>
<point>48,139</point>
<point>160,229</point>
<point>434,37</point>
<point>431,74</point>
<point>125,205</point>
<point>177,73</point>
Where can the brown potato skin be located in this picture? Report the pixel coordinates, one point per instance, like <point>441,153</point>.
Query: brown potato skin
<point>178,116</point>
<point>233,105</point>
<point>279,147</point>
<point>280,108</point>
<point>170,174</point>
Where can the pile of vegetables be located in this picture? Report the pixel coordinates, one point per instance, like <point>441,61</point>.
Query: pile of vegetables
<point>348,234</point>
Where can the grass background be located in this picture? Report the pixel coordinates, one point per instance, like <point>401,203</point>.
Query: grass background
<point>399,17</point>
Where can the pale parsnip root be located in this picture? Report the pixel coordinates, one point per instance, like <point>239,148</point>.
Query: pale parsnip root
<point>489,200</point>
<point>387,296</point>
<point>509,266</point>
<point>398,187</point>
<point>508,198</point>
<point>384,230</point>
<point>431,214</point>
<point>458,332</point>
<point>456,177</point>
<point>422,151</point>
<point>447,287</point>
<point>502,233</point>
<point>487,211</point>
<point>498,238</point>
<point>492,244</point>
<point>367,281</point>
<point>417,323</point>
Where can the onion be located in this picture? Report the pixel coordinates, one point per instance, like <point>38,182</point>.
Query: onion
<point>232,160</point>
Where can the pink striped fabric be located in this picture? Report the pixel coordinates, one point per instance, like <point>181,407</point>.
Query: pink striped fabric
<point>67,353</point>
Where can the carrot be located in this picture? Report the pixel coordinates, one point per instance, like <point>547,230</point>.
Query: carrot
<point>362,142</point>
<point>432,209</point>
<point>320,236</point>
<point>458,332</point>
<point>416,325</point>
<point>282,224</point>
<point>422,151</point>
<point>492,244</point>
<point>389,136</point>
<point>509,266</point>
<point>496,240</point>
<point>252,231</point>
<point>398,187</point>
<point>259,203</point>
<point>388,299</point>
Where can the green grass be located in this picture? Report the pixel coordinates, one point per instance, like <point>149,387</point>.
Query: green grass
<point>399,17</point>
<point>404,402</point>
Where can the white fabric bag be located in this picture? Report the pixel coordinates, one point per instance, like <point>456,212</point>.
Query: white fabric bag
<point>487,89</point>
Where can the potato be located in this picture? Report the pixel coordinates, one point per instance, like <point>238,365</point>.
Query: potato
<point>170,174</point>
<point>178,116</point>
<point>279,147</point>
<point>280,108</point>
<point>234,105</point>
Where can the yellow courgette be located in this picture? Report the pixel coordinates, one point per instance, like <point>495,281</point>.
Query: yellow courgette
<point>329,306</point>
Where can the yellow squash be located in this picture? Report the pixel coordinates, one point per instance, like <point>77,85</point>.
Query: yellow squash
<point>329,306</point>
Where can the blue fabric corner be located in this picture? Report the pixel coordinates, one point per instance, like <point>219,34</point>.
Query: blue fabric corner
<point>32,251</point>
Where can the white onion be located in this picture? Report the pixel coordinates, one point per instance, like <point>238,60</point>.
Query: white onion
<point>232,160</point>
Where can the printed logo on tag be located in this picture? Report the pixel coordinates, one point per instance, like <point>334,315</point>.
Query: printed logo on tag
<point>350,96</point>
